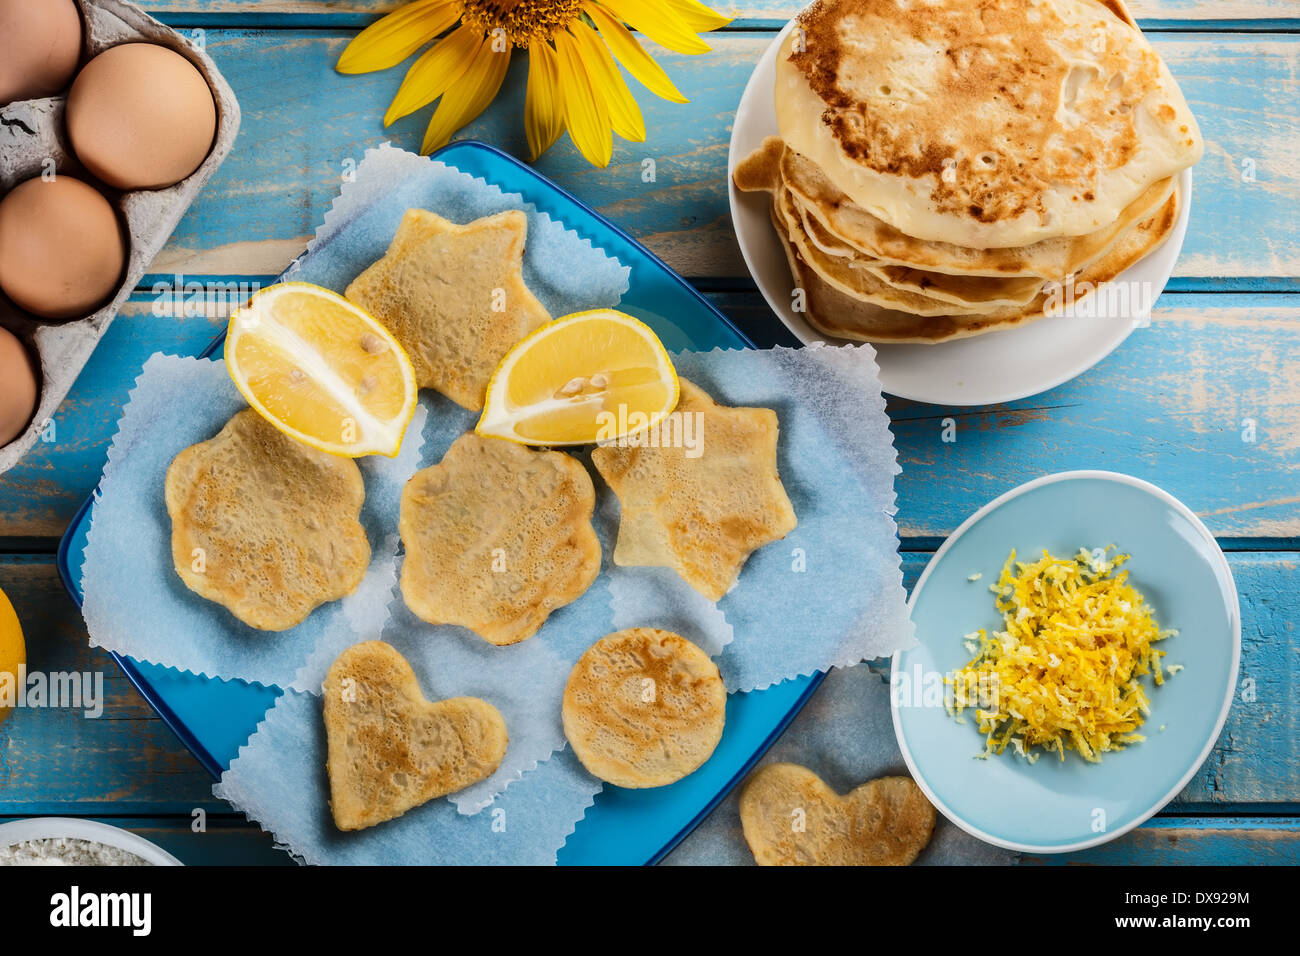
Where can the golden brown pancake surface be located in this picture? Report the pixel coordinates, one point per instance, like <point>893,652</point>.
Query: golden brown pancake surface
<point>791,818</point>
<point>390,749</point>
<point>265,525</point>
<point>701,515</point>
<point>644,708</point>
<point>497,537</point>
<point>454,296</point>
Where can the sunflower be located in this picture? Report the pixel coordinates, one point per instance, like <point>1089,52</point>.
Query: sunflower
<point>574,82</point>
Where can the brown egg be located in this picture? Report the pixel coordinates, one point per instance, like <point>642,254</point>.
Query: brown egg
<point>141,116</point>
<point>62,248</point>
<point>40,44</point>
<point>17,387</point>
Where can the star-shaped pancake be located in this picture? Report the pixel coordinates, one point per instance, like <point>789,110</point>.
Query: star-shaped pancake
<point>698,496</point>
<point>454,296</point>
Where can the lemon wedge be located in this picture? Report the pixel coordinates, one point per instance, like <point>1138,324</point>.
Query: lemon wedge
<point>321,370</point>
<point>587,377</point>
<point>13,652</point>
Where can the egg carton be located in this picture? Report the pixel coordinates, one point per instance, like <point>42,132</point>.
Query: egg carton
<point>33,140</point>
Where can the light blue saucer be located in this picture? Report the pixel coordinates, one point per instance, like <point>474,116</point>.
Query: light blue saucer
<point>1050,806</point>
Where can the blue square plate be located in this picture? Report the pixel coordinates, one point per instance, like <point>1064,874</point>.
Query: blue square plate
<point>214,718</point>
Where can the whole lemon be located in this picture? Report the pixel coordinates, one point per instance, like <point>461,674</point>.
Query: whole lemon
<point>13,652</point>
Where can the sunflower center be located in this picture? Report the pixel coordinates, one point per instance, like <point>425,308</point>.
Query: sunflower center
<point>523,21</point>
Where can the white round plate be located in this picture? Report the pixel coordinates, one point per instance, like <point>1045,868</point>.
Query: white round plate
<point>982,370</point>
<point>45,828</point>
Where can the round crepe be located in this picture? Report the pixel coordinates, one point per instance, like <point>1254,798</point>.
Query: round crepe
<point>841,218</point>
<point>644,708</point>
<point>956,275</point>
<point>996,124</point>
<point>866,284</point>
<point>940,291</point>
<point>835,313</point>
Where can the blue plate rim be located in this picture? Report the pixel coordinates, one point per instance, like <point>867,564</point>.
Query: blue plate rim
<point>201,753</point>
<point>1221,562</point>
<point>126,664</point>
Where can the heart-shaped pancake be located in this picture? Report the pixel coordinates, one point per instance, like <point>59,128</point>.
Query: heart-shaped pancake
<point>791,818</point>
<point>389,749</point>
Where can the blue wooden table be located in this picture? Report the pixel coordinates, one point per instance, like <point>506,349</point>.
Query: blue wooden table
<point>1205,402</point>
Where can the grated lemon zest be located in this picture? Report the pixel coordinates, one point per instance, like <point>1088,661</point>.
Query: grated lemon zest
<point>1067,667</point>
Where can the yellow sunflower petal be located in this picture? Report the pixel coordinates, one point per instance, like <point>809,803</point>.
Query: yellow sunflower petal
<point>632,55</point>
<point>697,16</point>
<point>439,67</point>
<point>468,96</point>
<point>543,106</point>
<point>391,39</point>
<point>607,82</point>
<point>658,23</point>
<point>585,113</point>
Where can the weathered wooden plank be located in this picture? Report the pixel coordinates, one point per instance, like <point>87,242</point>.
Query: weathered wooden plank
<point>1205,402</point>
<point>1209,841</point>
<point>125,761</point>
<point>40,495</point>
<point>303,123</point>
<point>128,762</point>
<point>1171,405</point>
<point>1258,746</point>
<point>745,10</point>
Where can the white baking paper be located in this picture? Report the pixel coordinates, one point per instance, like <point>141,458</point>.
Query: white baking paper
<point>178,402</point>
<point>279,781</point>
<point>135,602</point>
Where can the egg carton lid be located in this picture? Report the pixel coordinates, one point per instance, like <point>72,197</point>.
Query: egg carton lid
<point>33,140</point>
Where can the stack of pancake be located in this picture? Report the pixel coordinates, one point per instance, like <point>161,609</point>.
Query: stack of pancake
<point>949,167</point>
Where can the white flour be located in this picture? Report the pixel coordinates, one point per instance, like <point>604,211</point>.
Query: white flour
<point>66,851</point>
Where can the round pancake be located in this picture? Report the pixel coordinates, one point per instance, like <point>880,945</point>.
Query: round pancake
<point>995,124</point>
<point>865,284</point>
<point>644,708</point>
<point>841,218</point>
<point>835,313</point>
<point>972,280</point>
<point>965,291</point>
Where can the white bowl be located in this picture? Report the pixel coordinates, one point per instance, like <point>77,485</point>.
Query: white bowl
<point>46,828</point>
<point>984,369</point>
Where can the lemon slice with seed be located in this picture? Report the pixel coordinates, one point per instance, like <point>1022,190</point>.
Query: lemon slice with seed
<point>321,370</point>
<point>588,377</point>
